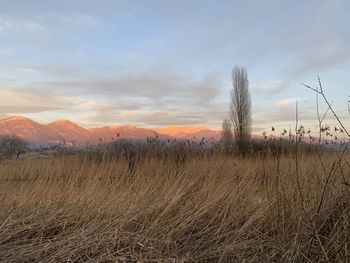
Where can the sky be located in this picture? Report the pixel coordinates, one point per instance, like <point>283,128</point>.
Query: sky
<point>158,63</point>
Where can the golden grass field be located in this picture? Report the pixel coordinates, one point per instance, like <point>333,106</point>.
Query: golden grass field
<point>218,209</point>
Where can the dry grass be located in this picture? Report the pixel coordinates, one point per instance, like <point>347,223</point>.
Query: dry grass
<point>204,210</point>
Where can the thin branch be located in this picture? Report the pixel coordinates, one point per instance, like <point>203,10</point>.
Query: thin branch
<point>324,115</point>
<point>328,104</point>
<point>315,90</point>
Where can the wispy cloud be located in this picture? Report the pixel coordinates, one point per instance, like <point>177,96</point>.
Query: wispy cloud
<point>156,116</point>
<point>272,87</point>
<point>81,20</point>
<point>24,101</point>
<point>21,26</point>
<point>46,27</point>
<point>149,99</point>
<point>287,102</point>
<point>153,87</point>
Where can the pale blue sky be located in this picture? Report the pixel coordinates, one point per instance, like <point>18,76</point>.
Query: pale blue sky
<point>159,63</point>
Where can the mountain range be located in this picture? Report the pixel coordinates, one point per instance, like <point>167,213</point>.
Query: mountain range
<point>66,131</point>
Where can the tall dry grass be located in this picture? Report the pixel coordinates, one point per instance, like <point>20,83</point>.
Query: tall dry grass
<point>217,209</point>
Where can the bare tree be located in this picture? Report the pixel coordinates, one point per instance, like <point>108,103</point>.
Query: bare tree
<point>240,108</point>
<point>12,145</point>
<point>227,135</point>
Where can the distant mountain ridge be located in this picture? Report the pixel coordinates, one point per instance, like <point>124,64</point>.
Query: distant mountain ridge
<point>66,131</point>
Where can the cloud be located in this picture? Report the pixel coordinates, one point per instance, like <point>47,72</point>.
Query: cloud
<point>152,87</point>
<point>155,100</point>
<point>324,56</point>
<point>159,116</point>
<point>22,101</point>
<point>282,113</point>
<point>146,99</point>
<point>46,29</point>
<point>26,109</point>
<point>81,20</point>
<point>306,38</point>
<point>287,102</point>
<point>21,26</point>
<point>272,87</point>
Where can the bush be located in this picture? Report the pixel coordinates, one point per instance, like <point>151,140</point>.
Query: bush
<point>12,145</point>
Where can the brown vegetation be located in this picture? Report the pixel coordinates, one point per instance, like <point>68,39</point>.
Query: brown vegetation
<point>217,208</point>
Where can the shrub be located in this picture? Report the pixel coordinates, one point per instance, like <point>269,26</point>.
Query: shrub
<point>12,145</point>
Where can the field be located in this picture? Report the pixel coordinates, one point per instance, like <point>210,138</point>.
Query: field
<point>287,208</point>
